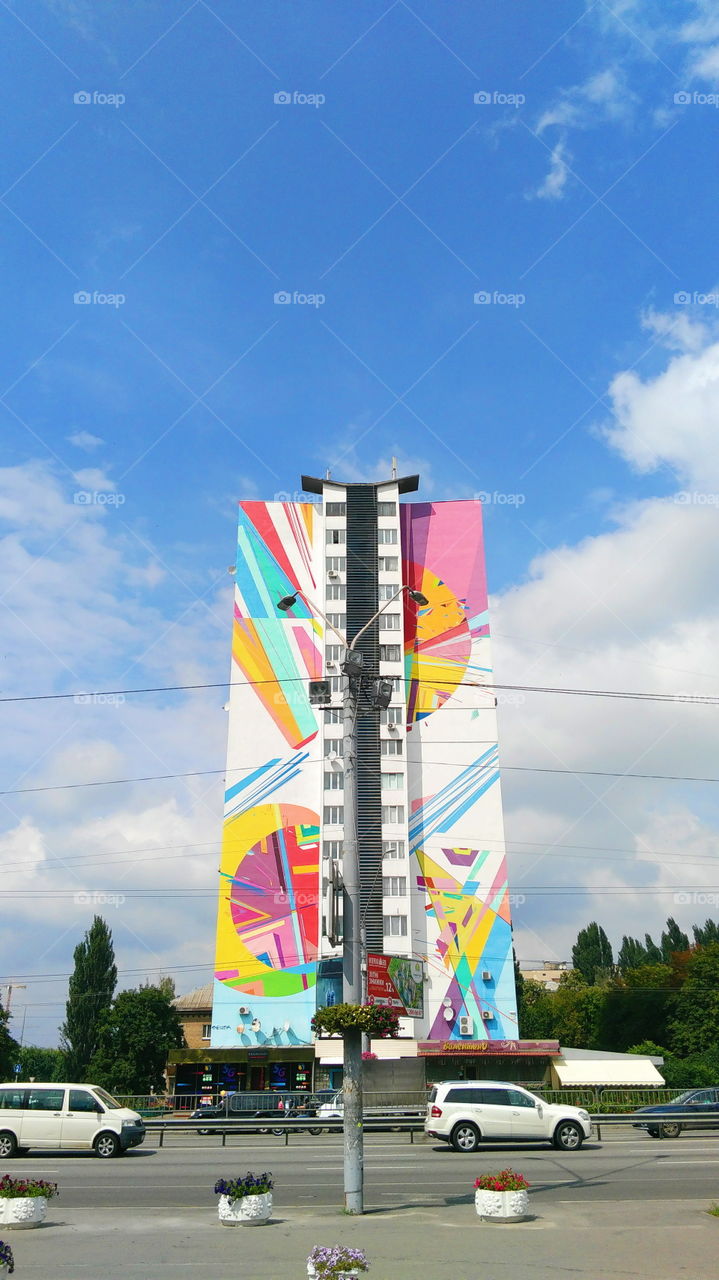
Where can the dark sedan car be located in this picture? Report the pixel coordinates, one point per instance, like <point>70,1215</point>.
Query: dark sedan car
<point>271,1108</point>
<point>695,1109</point>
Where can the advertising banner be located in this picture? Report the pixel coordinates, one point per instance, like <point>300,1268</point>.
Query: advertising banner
<point>398,982</point>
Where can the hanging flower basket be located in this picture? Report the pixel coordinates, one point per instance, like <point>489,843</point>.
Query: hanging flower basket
<point>502,1197</point>
<point>374,1020</point>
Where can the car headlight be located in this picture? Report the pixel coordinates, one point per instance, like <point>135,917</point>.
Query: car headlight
<point>584,1115</point>
<point>129,1124</point>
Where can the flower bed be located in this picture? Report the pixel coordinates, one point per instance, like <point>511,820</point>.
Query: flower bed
<point>23,1201</point>
<point>333,1262</point>
<point>501,1197</point>
<point>245,1201</point>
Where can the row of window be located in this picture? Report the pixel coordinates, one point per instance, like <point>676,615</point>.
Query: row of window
<point>385,564</point>
<point>334,814</point>
<point>335,781</point>
<point>387,653</point>
<point>338,591</point>
<point>386,621</point>
<point>338,537</point>
<point>390,849</point>
<point>340,508</point>
<point>388,746</point>
<point>390,715</point>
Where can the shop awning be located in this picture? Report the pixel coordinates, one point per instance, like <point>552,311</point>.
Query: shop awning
<point>628,1071</point>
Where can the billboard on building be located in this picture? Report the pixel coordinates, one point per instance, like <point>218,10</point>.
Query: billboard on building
<point>396,982</point>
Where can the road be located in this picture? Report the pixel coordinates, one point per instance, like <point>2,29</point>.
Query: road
<point>625,1166</point>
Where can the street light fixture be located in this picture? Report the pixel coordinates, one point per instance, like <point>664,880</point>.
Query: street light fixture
<point>352,933</point>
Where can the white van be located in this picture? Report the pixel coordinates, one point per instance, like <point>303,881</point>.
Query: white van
<point>66,1117</point>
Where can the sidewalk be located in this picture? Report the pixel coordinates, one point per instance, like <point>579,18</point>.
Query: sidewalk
<point>662,1240</point>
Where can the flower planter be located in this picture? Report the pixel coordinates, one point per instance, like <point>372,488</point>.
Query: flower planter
<point>502,1206</point>
<point>342,1275</point>
<point>19,1213</point>
<point>247,1211</point>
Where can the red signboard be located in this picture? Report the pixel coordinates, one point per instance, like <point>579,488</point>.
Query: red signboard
<point>508,1048</point>
<point>396,982</point>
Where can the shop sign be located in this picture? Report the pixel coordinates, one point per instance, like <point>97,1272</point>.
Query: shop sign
<point>396,982</point>
<point>508,1048</point>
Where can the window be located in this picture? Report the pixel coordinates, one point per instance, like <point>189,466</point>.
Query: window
<point>334,537</point>
<point>394,886</point>
<point>386,508</point>
<point>336,591</point>
<point>394,926</point>
<point>393,848</point>
<point>338,563</point>
<point>338,620</point>
<point>332,716</point>
<point>45,1099</point>
<point>12,1099</point>
<point>335,780</point>
<point>336,509</point>
<point>391,746</point>
<point>81,1100</point>
<point>207,1031</point>
<point>386,536</point>
<point>387,590</point>
<point>392,715</point>
<point>390,621</point>
<point>496,1098</point>
<point>393,781</point>
<point>392,813</point>
<point>333,746</point>
<point>336,684</point>
<point>388,564</point>
<point>333,652</point>
<point>390,653</point>
<point>334,814</point>
<point>519,1099</point>
<point>332,848</point>
<point>465,1095</point>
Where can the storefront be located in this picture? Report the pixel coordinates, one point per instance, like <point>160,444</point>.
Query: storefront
<point>208,1072</point>
<point>526,1062</point>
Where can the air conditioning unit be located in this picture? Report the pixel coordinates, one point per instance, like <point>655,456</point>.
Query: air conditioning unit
<point>331,664</point>
<point>244,1008</point>
<point>466,1027</point>
<point>393,728</point>
<point>333,574</point>
<point>486,975</point>
<point>487,1015</point>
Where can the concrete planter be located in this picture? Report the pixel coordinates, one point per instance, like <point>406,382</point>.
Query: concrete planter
<point>19,1213</point>
<point>248,1211</point>
<point>343,1275</point>
<point>502,1206</point>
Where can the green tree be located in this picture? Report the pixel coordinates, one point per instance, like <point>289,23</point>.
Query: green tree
<point>535,1010</point>
<point>636,1007</point>
<point>90,992</point>
<point>632,954</point>
<point>9,1047</point>
<point>576,1011</point>
<point>673,939</point>
<point>654,953</point>
<point>592,953</point>
<point>135,1037</point>
<point>707,932</point>
<point>694,1027</point>
<point>42,1064</point>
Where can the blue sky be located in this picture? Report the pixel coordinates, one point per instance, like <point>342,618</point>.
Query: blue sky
<point>577,193</point>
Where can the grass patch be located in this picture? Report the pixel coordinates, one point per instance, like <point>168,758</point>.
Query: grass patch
<point>713,1210</point>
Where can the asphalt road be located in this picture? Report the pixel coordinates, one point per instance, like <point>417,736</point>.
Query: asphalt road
<point>625,1166</point>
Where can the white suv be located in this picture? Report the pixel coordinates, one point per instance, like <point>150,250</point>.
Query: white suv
<point>464,1112</point>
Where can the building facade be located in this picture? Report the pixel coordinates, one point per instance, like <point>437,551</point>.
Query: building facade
<point>432,859</point>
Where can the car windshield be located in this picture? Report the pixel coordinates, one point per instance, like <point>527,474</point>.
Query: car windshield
<point>684,1097</point>
<point>107,1099</point>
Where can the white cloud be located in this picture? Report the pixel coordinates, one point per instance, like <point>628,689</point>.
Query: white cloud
<point>553,186</point>
<point>604,96</point>
<point>85,440</point>
<point>94,478</point>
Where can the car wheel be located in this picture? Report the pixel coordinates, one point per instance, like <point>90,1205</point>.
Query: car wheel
<point>653,1133</point>
<point>671,1130</point>
<point>107,1145</point>
<point>278,1132</point>
<point>314,1131</point>
<point>465,1136</point>
<point>8,1145</point>
<point>568,1136</point>
<point>203,1132</point>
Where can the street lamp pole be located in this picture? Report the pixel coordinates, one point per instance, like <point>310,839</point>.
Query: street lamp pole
<point>352,941</point>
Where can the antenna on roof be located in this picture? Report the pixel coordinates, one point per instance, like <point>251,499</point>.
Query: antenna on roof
<point>394,468</point>
<point>328,474</point>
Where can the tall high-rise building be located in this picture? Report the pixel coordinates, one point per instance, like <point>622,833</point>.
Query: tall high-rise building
<point>431,841</point>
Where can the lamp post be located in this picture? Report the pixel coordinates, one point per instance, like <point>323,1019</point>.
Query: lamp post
<point>352,948</point>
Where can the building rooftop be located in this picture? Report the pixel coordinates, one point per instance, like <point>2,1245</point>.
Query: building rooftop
<point>200,998</point>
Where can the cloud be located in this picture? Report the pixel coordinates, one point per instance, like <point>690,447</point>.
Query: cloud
<point>553,186</point>
<point>604,96</point>
<point>94,478</point>
<point>84,440</point>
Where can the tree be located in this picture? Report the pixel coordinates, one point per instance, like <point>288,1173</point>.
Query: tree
<point>592,953</point>
<point>654,953</point>
<point>9,1047</point>
<point>134,1039</point>
<point>576,1009</point>
<point>695,1025</point>
<point>632,954</point>
<point>707,932</point>
<point>90,992</point>
<point>673,939</point>
<point>535,1011</point>
<point>42,1064</point>
<point>636,1007</point>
